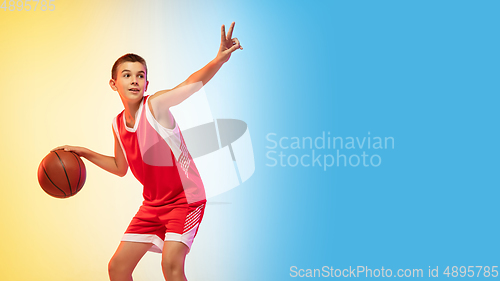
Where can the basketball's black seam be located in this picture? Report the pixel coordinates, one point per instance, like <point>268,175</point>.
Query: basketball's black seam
<point>45,172</point>
<point>54,195</point>
<point>79,169</point>
<point>62,164</point>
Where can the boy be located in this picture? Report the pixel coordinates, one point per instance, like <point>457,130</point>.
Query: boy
<point>148,139</point>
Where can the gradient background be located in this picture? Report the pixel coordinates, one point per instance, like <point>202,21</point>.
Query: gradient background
<point>423,72</point>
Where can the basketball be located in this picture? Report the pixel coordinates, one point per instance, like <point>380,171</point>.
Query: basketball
<point>61,174</point>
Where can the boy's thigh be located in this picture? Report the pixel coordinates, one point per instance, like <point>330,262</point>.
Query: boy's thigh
<point>130,253</point>
<point>174,252</point>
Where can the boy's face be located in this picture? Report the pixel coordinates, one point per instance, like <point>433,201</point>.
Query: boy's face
<point>131,82</point>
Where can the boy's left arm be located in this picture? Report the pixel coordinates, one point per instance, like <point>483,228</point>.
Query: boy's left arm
<point>165,99</point>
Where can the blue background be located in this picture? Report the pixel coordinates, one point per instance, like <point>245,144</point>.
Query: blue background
<point>423,72</point>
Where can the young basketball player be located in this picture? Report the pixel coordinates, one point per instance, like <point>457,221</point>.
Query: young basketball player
<point>148,139</point>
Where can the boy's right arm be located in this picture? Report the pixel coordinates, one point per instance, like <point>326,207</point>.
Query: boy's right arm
<point>116,165</point>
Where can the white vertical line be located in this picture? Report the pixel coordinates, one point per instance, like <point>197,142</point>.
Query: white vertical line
<point>217,132</point>
<point>237,172</point>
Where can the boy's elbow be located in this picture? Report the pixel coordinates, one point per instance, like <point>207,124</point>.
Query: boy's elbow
<point>120,168</point>
<point>122,174</point>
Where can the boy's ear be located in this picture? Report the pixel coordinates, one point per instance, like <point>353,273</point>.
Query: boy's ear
<point>113,85</point>
<point>146,88</point>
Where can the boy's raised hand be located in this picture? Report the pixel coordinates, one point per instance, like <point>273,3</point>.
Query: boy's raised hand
<point>165,99</point>
<point>227,44</point>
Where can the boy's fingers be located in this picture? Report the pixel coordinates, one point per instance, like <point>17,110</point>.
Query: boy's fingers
<point>223,34</point>
<point>230,33</point>
<point>236,45</point>
<point>66,148</point>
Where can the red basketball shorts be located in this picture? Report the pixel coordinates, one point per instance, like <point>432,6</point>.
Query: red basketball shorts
<point>166,223</point>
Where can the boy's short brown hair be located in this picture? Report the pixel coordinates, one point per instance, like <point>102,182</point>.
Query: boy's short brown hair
<point>127,58</point>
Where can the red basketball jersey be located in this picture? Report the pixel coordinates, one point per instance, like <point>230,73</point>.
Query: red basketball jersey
<point>159,159</point>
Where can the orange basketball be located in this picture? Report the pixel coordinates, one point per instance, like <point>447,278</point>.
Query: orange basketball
<point>61,174</point>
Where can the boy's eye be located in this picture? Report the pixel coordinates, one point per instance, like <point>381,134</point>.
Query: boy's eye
<point>142,76</point>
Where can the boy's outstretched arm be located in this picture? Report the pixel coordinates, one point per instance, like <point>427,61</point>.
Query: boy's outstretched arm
<point>116,165</point>
<point>165,99</point>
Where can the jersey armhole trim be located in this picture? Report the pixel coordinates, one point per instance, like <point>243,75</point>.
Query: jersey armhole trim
<point>115,128</point>
<point>152,118</point>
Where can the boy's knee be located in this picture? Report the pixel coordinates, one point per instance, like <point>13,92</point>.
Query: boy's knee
<point>172,266</point>
<point>115,267</point>
<point>112,267</point>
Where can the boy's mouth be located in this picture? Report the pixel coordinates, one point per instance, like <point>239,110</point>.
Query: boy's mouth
<point>134,90</point>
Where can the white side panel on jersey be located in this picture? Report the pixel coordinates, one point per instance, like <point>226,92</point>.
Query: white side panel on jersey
<point>115,128</point>
<point>171,136</point>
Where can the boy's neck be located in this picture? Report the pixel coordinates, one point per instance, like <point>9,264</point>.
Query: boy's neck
<point>131,108</point>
